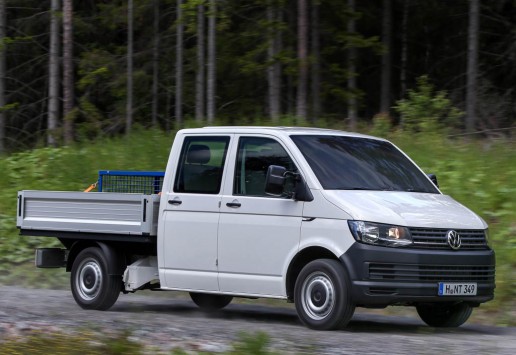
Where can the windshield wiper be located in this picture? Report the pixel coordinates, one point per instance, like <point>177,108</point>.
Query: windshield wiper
<point>384,188</point>
<point>416,190</point>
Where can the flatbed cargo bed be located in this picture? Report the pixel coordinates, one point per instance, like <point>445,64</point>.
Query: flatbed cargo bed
<point>58,213</point>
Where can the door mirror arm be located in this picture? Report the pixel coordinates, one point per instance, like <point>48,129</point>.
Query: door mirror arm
<point>302,191</point>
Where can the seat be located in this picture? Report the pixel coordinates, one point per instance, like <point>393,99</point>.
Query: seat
<point>198,176</point>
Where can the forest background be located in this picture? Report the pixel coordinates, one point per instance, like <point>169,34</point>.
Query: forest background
<point>89,85</point>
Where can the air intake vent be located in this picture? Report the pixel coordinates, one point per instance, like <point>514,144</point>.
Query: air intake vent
<point>431,273</point>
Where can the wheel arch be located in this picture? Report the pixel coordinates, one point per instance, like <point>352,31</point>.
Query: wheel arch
<point>116,263</point>
<point>299,261</point>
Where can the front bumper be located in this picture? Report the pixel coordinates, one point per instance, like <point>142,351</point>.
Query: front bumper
<point>382,276</point>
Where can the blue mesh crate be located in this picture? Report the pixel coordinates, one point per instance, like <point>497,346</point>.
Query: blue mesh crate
<point>146,182</point>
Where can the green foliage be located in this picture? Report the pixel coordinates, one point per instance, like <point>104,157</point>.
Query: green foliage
<point>115,344</point>
<point>252,344</point>
<point>10,106</point>
<point>6,41</point>
<point>61,344</point>
<point>381,125</point>
<point>426,110</point>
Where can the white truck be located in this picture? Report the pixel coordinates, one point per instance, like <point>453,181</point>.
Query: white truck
<point>326,219</point>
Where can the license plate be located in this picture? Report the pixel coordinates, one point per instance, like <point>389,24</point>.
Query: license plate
<point>457,289</point>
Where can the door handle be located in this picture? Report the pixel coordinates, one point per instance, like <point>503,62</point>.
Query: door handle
<point>234,204</point>
<point>175,202</point>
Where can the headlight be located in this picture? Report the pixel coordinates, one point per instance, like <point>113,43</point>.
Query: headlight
<point>380,234</point>
<point>486,234</point>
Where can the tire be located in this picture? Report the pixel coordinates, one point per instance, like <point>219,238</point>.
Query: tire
<point>322,295</point>
<point>210,302</point>
<point>92,287</point>
<point>444,315</point>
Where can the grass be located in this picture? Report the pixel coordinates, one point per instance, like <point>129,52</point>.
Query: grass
<point>479,174</point>
<point>87,342</point>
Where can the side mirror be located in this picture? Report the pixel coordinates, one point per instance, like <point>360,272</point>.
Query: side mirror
<point>433,178</point>
<point>275,183</point>
<point>275,180</point>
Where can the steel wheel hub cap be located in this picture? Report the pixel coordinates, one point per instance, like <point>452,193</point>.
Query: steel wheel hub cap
<point>89,280</point>
<point>318,296</point>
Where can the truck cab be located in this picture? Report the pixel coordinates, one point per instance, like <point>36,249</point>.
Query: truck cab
<point>326,219</point>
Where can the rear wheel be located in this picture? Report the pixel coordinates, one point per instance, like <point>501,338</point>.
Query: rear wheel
<point>322,295</point>
<point>210,302</point>
<point>92,287</point>
<point>444,315</point>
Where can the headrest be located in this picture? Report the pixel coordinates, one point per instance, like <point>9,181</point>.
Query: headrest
<point>198,154</point>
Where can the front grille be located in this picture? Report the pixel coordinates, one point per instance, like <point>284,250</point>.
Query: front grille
<point>425,238</point>
<point>429,273</point>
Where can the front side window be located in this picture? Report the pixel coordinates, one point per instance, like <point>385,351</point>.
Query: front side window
<point>353,163</point>
<point>255,155</point>
<point>201,165</point>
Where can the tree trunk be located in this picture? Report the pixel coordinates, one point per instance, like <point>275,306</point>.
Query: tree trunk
<point>274,67</point>
<point>212,62</point>
<point>352,81</point>
<point>302,57</point>
<point>68,85</point>
<point>404,48</point>
<point>316,63</point>
<point>471,89</point>
<point>2,75</point>
<point>129,87</point>
<point>155,66</point>
<point>278,45</point>
<point>200,75</point>
<point>179,65</point>
<point>291,84</point>
<point>404,54</point>
<point>385,96</point>
<point>53,74</point>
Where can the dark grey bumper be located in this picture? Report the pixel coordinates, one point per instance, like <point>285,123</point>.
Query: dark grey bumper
<point>383,276</point>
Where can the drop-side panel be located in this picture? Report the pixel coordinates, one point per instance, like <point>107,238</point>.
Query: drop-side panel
<point>104,212</point>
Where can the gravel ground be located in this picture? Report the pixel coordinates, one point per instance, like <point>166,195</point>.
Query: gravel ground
<point>165,323</point>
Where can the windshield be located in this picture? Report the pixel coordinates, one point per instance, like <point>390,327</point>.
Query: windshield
<point>351,163</point>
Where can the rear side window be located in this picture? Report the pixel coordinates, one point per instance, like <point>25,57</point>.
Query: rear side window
<point>201,165</point>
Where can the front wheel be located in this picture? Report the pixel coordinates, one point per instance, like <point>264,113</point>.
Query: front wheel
<point>92,287</point>
<point>444,315</point>
<point>210,302</point>
<point>322,295</point>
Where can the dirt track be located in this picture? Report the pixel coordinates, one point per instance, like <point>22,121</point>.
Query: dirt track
<point>175,322</point>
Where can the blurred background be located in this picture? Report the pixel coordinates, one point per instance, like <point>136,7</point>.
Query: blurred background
<point>92,85</point>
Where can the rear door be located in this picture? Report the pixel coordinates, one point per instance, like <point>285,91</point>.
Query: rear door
<point>257,233</point>
<point>191,215</point>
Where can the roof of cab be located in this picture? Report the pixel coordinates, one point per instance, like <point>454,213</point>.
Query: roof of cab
<point>280,130</point>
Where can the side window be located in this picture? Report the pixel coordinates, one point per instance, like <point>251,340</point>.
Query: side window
<point>254,157</point>
<point>201,165</point>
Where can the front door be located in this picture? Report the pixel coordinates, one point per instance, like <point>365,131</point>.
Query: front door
<point>257,233</point>
<point>191,216</point>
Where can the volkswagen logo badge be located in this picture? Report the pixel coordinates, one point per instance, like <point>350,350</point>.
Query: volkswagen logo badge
<point>453,239</point>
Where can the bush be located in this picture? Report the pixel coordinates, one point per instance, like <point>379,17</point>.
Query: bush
<point>426,111</point>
